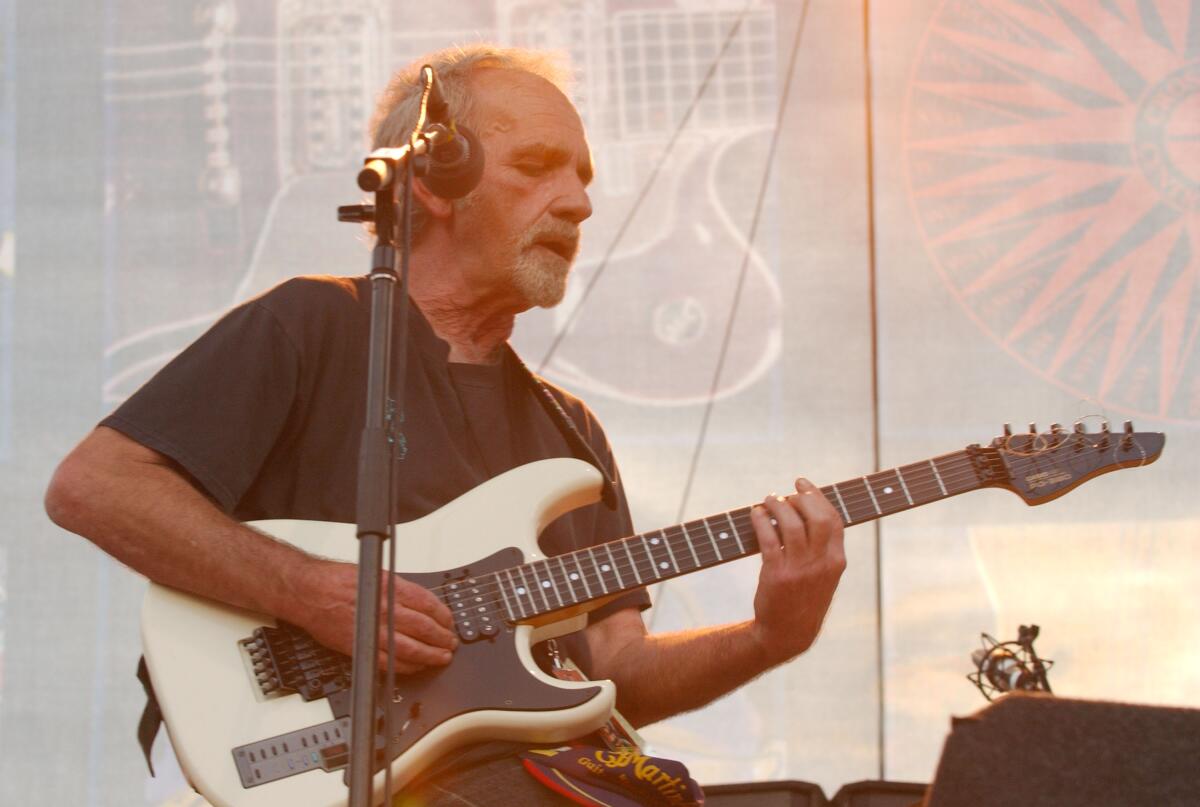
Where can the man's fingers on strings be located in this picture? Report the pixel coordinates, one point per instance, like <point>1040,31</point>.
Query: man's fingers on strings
<point>789,526</point>
<point>824,523</point>
<point>769,543</point>
<point>419,598</point>
<point>421,627</point>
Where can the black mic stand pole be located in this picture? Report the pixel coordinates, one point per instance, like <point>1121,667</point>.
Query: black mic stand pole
<point>377,458</point>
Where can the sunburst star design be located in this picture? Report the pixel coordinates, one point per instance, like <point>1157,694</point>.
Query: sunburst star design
<point>1053,157</point>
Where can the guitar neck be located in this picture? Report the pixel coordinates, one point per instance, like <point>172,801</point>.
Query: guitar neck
<point>568,580</point>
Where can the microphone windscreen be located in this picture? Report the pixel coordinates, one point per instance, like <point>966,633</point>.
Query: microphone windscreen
<point>455,167</point>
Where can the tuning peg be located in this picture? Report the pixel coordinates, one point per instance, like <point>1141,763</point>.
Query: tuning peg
<point>1056,428</point>
<point>1008,430</point>
<point>1129,428</point>
<point>1080,428</point>
<point>1033,428</point>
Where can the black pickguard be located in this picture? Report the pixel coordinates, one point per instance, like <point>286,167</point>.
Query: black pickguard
<point>485,674</point>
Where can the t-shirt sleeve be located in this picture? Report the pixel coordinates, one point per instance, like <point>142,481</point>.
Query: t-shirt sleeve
<point>218,407</point>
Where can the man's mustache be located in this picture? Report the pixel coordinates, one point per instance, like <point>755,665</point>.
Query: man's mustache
<point>560,236</point>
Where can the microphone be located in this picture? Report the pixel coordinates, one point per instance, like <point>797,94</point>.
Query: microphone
<point>453,158</point>
<point>450,163</point>
<point>455,162</point>
<point>1003,670</point>
<point>1010,666</point>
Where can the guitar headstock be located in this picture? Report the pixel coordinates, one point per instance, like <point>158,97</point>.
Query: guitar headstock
<point>1040,467</point>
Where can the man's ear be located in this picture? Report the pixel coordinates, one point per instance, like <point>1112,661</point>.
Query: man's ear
<point>437,207</point>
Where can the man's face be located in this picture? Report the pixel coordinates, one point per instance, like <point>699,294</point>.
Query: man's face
<point>522,221</point>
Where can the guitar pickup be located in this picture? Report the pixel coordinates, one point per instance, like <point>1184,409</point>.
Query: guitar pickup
<point>324,746</point>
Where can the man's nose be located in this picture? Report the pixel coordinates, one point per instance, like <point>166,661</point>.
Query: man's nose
<point>573,204</point>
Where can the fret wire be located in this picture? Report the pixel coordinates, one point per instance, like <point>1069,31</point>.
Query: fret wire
<point>616,571</point>
<point>528,591</point>
<point>687,538</point>
<point>736,536</point>
<point>923,488</point>
<point>871,493</point>
<point>650,556</point>
<point>856,502</point>
<point>599,575</point>
<point>711,538</point>
<point>540,588</point>
<point>629,554</point>
<point>670,555</point>
<point>904,487</point>
<point>516,593</point>
<point>582,575</point>
<point>500,588</point>
<point>567,578</point>
<point>842,504</point>
<point>938,477</point>
<point>554,583</point>
<point>705,548</point>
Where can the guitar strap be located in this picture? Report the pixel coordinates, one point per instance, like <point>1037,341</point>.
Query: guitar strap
<point>151,715</point>
<point>580,447</point>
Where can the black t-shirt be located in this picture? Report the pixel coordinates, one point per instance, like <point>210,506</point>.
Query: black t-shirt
<point>265,413</point>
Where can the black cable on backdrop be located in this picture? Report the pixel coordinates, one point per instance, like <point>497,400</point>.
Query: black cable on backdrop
<point>645,191</point>
<point>737,296</point>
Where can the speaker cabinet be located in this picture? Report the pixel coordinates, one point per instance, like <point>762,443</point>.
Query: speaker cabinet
<point>1038,750</point>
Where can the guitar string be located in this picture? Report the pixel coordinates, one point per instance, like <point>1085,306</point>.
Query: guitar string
<point>554,578</point>
<point>957,467</point>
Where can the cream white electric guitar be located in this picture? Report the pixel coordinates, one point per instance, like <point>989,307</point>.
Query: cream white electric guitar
<point>257,711</point>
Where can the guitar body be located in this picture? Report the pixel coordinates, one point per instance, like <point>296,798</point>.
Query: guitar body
<point>492,689</point>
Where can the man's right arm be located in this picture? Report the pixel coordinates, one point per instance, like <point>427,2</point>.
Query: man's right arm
<point>141,508</point>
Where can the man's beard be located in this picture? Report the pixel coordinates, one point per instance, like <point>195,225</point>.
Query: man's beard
<point>537,273</point>
<point>540,274</point>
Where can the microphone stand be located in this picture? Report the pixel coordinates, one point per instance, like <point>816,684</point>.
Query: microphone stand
<point>377,449</point>
<point>1025,636</point>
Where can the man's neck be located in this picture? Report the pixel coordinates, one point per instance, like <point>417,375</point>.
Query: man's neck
<point>475,321</point>
<point>475,335</point>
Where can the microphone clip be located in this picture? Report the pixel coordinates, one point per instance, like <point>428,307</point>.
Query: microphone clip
<point>1002,667</point>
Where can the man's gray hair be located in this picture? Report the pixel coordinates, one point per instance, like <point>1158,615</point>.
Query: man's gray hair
<point>397,108</point>
<point>400,103</point>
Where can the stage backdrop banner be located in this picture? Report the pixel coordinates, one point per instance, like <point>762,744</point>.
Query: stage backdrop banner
<point>829,238</point>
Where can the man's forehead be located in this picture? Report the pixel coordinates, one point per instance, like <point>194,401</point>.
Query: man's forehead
<point>536,113</point>
<point>504,97</point>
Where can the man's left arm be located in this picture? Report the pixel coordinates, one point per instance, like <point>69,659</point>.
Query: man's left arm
<point>803,557</point>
